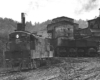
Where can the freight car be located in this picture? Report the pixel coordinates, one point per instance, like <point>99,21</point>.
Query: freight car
<point>76,48</point>
<point>64,42</point>
<point>24,49</point>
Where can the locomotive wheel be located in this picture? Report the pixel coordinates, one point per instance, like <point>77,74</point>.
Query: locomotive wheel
<point>72,52</point>
<point>29,64</point>
<point>92,52</point>
<point>37,63</point>
<point>81,53</point>
<point>8,64</point>
<point>33,64</point>
<point>48,62</point>
<point>20,66</point>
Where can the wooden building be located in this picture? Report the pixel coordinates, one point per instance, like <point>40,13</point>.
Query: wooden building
<point>62,26</point>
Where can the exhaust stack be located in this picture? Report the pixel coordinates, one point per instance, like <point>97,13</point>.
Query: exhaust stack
<point>23,19</point>
<point>21,26</point>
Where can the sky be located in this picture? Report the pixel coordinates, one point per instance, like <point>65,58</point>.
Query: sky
<point>42,10</point>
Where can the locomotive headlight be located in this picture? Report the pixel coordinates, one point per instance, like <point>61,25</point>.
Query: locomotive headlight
<point>17,36</point>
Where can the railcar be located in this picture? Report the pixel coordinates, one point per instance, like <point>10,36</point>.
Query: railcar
<point>76,48</point>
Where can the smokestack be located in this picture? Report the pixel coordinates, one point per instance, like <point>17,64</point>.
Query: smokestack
<point>23,21</point>
<point>21,26</point>
<point>23,18</point>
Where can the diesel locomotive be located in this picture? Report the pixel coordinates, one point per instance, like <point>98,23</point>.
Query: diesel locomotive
<point>25,49</point>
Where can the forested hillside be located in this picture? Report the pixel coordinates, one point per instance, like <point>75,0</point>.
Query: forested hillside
<point>37,26</point>
<point>8,25</point>
<point>82,23</point>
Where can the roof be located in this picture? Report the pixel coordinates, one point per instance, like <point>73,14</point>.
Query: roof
<point>62,18</point>
<point>21,31</point>
<point>94,19</point>
<point>94,30</point>
<point>52,25</point>
<point>37,36</point>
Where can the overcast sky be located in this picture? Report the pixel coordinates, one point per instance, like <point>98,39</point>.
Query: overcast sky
<point>42,10</point>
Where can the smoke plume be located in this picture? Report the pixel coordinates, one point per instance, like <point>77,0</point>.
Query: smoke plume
<point>87,5</point>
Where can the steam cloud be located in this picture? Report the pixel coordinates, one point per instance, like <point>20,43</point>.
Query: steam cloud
<point>32,5</point>
<point>92,4</point>
<point>87,5</point>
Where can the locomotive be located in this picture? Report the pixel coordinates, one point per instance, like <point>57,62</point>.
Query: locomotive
<point>64,42</point>
<point>25,49</point>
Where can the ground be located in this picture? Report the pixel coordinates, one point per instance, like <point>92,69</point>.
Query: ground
<point>69,69</point>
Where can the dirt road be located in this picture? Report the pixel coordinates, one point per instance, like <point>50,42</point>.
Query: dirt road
<point>70,69</point>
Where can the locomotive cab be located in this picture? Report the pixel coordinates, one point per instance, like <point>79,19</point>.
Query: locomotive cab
<point>18,48</point>
<point>19,40</point>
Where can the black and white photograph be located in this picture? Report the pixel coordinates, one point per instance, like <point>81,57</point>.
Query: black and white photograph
<point>49,39</point>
